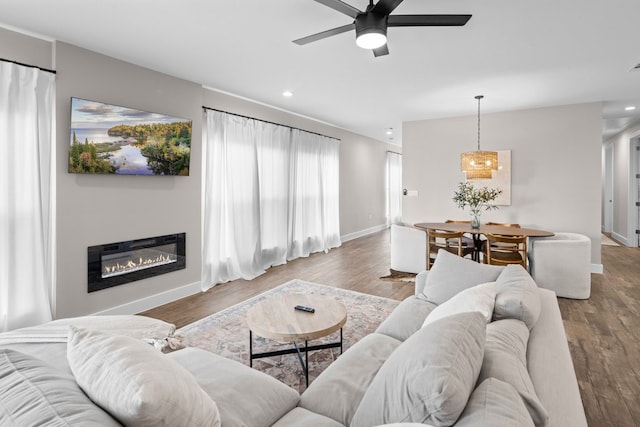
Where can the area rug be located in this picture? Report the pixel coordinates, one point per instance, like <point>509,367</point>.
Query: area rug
<point>226,333</point>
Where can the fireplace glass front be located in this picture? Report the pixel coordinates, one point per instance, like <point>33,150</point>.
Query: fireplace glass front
<point>123,262</point>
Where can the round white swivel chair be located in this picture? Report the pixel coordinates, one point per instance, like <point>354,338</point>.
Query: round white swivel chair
<point>562,263</point>
<point>408,249</point>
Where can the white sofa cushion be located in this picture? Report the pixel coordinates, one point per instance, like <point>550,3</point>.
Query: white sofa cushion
<point>505,358</point>
<point>429,377</point>
<point>480,298</point>
<point>451,274</point>
<point>495,403</point>
<point>34,393</point>
<point>517,296</point>
<point>136,383</point>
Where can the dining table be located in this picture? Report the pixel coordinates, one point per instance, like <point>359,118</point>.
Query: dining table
<point>483,229</point>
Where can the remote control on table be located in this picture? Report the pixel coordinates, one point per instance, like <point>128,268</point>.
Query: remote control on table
<point>305,308</point>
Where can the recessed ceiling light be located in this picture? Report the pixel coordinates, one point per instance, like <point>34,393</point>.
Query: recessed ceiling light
<point>390,131</point>
<point>287,93</point>
<point>630,108</point>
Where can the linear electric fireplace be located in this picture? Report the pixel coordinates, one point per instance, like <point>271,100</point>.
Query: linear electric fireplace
<point>114,264</point>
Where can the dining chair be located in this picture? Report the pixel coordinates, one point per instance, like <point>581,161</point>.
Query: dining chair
<point>502,224</point>
<point>467,241</point>
<point>505,250</point>
<point>450,241</point>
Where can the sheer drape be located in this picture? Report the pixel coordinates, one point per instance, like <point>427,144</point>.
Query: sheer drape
<point>394,188</point>
<point>270,195</point>
<point>26,132</point>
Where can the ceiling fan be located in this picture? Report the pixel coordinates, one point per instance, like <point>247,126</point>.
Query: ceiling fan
<point>371,25</point>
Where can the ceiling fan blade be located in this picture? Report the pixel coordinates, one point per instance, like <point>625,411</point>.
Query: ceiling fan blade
<point>427,20</point>
<point>385,7</point>
<point>325,34</point>
<point>341,7</point>
<point>381,51</point>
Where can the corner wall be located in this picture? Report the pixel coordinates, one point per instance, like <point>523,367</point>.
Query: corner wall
<point>555,164</point>
<point>97,209</point>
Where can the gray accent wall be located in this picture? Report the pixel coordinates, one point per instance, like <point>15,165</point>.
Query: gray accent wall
<point>555,164</point>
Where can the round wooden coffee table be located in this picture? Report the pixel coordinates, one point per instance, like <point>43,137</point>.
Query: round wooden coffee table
<point>275,318</point>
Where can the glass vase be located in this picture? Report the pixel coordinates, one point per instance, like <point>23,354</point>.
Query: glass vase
<point>475,218</point>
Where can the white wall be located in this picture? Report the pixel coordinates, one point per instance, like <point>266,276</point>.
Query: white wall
<point>555,163</point>
<point>624,217</point>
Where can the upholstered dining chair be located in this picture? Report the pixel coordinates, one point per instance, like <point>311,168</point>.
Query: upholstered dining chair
<point>505,250</point>
<point>450,241</point>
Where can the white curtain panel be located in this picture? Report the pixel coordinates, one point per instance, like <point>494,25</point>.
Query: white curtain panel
<point>314,214</point>
<point>394,188</point>
<point>26,143</point>
<point>270,195</point>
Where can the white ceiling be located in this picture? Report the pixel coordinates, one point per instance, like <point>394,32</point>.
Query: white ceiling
<point>518,54</point>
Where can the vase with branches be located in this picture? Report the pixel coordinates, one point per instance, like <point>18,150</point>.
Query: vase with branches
<point>477,199</point>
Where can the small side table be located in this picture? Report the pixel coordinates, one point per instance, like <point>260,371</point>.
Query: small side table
<point>275,318</point>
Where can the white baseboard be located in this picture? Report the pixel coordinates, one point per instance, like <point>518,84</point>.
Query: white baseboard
<point>362,233</point>
<point>149,302</point>
<point>597,268</point>
<point>620,238</point>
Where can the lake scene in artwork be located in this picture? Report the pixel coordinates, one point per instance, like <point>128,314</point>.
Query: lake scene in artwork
<point>109,139</point>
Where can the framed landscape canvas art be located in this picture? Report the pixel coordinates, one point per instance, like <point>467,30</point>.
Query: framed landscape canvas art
<point>110,139</point>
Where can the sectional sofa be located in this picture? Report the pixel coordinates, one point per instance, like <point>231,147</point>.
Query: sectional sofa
<point>476,345</point>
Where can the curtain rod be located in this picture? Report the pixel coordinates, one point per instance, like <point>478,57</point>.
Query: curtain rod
<point>29,65</point>
<point>394,152</point>
<point>267,121</point>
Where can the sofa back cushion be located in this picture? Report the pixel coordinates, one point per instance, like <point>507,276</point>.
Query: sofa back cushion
<point>517,296</point>
<point>495,403</point>
<point>451,274</point>
<point>429,377</point>
<point>505,358</point>
<point>36,394</point>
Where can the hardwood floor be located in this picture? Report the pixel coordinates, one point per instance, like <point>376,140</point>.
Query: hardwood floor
<point>603,331</point>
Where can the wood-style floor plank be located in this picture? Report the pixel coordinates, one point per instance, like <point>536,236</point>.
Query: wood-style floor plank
<point>603,331</point>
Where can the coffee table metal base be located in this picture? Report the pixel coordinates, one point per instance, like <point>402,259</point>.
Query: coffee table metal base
<point>299,350</point>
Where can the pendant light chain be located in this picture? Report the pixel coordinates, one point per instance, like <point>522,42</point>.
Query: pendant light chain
<point>479,97</point>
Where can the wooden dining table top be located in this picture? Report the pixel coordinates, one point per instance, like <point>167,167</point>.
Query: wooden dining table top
<point>484,228</point>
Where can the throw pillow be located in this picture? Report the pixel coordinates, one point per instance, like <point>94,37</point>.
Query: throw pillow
<point>451,274</point>
<point>494,404</point>
<point>429,377</point>
<point>479,298</point>
<point>36,394</point>
<point>517,296</point>
<point>136,383</point>
<point>505,358</point>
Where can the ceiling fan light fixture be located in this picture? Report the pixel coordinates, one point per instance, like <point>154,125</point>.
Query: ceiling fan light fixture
<point>371,40</point>
<point>371,31</point>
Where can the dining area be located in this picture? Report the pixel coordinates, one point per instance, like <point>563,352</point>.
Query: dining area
<point>559,261</point>
<point>490,243</point>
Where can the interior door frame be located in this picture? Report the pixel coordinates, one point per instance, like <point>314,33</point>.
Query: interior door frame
<point>607,191</point>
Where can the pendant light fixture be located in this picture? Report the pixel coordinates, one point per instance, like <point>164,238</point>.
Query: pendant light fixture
<point>479,164</point>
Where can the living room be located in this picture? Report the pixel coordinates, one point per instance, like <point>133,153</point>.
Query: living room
<point>549,190</point>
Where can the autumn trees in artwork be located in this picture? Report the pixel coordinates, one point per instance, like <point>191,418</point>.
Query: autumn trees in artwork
<point>167,147</point>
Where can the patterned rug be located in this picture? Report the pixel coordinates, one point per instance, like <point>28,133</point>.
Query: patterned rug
<point>226,333</point>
